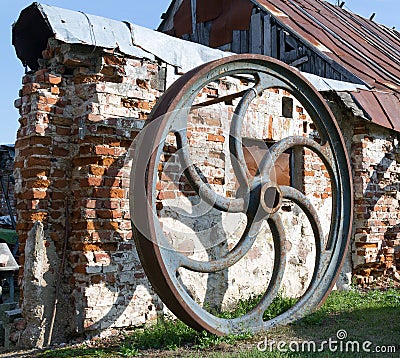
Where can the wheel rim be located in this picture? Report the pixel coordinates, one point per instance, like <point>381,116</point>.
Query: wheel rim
<point>161,262</point>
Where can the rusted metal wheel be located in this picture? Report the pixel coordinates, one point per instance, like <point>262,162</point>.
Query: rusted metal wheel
<point>259,198</point>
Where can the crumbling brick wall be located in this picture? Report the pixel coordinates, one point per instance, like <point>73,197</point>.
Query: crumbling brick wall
<point>375,245</point>
<point>376,251</point>
<point>79,115</point>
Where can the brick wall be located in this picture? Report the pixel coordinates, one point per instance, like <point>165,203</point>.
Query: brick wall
<point>375,257</point>
<point>376,251</point>
<point>79,115</point>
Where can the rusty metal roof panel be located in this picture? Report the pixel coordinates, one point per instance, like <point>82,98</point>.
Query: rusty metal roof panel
<point>225,15</point>
<point>381,108</point>
<point>369,50</point>
<point>390,104</point>
<point>371,106</point>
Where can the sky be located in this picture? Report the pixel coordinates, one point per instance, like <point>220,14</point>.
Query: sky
<point>144,13</point>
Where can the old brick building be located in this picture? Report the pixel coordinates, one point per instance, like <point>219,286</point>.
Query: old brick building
<point>88,94</point>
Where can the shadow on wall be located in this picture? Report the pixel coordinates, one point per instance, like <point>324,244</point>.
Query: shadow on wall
<point>117,276</point>
<point>116,292</point>
<point>208,242</point>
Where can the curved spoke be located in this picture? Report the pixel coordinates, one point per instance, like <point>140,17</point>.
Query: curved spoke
<point>199,186</point>
<point>232,257</point>
<point>305,204</point>
<point>289,142</point>
<point>279,238</point>
<point>235,144</point>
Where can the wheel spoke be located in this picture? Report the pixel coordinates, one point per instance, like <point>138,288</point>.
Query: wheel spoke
<point>232,257</point>
<point>308,208</point>
<point>255,316</point>
<point>235,144</point>
<point>290,142</point>
<point>203,189</point>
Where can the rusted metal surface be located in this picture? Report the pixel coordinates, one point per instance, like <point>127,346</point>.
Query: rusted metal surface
<point>367,49</point>
<point>235,15</point>
<point>381,108</point>
<point>183,19</point>
<point>259,198</point>
<point>224,15</point>
<point>371,106</point>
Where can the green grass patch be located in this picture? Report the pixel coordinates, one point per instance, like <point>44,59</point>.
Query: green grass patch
<point>371,316</point>
<point>279,305</point>
<point>82,352</point>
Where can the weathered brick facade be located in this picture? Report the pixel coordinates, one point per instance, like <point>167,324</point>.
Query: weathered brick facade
<point>77,123</point>
<point>377,211</point>
<point>374,158</point>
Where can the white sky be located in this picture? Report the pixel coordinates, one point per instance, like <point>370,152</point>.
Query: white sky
<point>145,13</point>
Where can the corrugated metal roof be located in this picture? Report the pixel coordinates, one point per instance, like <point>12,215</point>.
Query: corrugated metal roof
<point>369,50</point>
<point>381,107</point>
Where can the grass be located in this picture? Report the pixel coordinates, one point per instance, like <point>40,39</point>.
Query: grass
<point>365,316</point>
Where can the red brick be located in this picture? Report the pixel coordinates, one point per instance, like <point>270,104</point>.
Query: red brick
<point>107,161</point>
<point>60,183</point>
<point>53,79</point>
<point>101,150</point>
<point>35,140</point>
<point>55,90</point>
<point>111,204</point>
<point>109,214</point>
<point>39,161</point>
<point>30,88</point>
<point>96,170</point>
<point>83,161</point>
<point>110,225</point>
<point>39,183</point>
<point>108,193</point>
<point>94,117</point>
<point>58,195</point>
<point>166,195</point>
<point>60,152</point>
<point>80,269</point>
<point>91,181</point>
<point>29,151</point>
<point>115,182</point>
<point>216,138</point>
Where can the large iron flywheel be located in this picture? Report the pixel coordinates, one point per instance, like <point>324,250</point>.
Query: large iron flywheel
<point>259,197</point>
